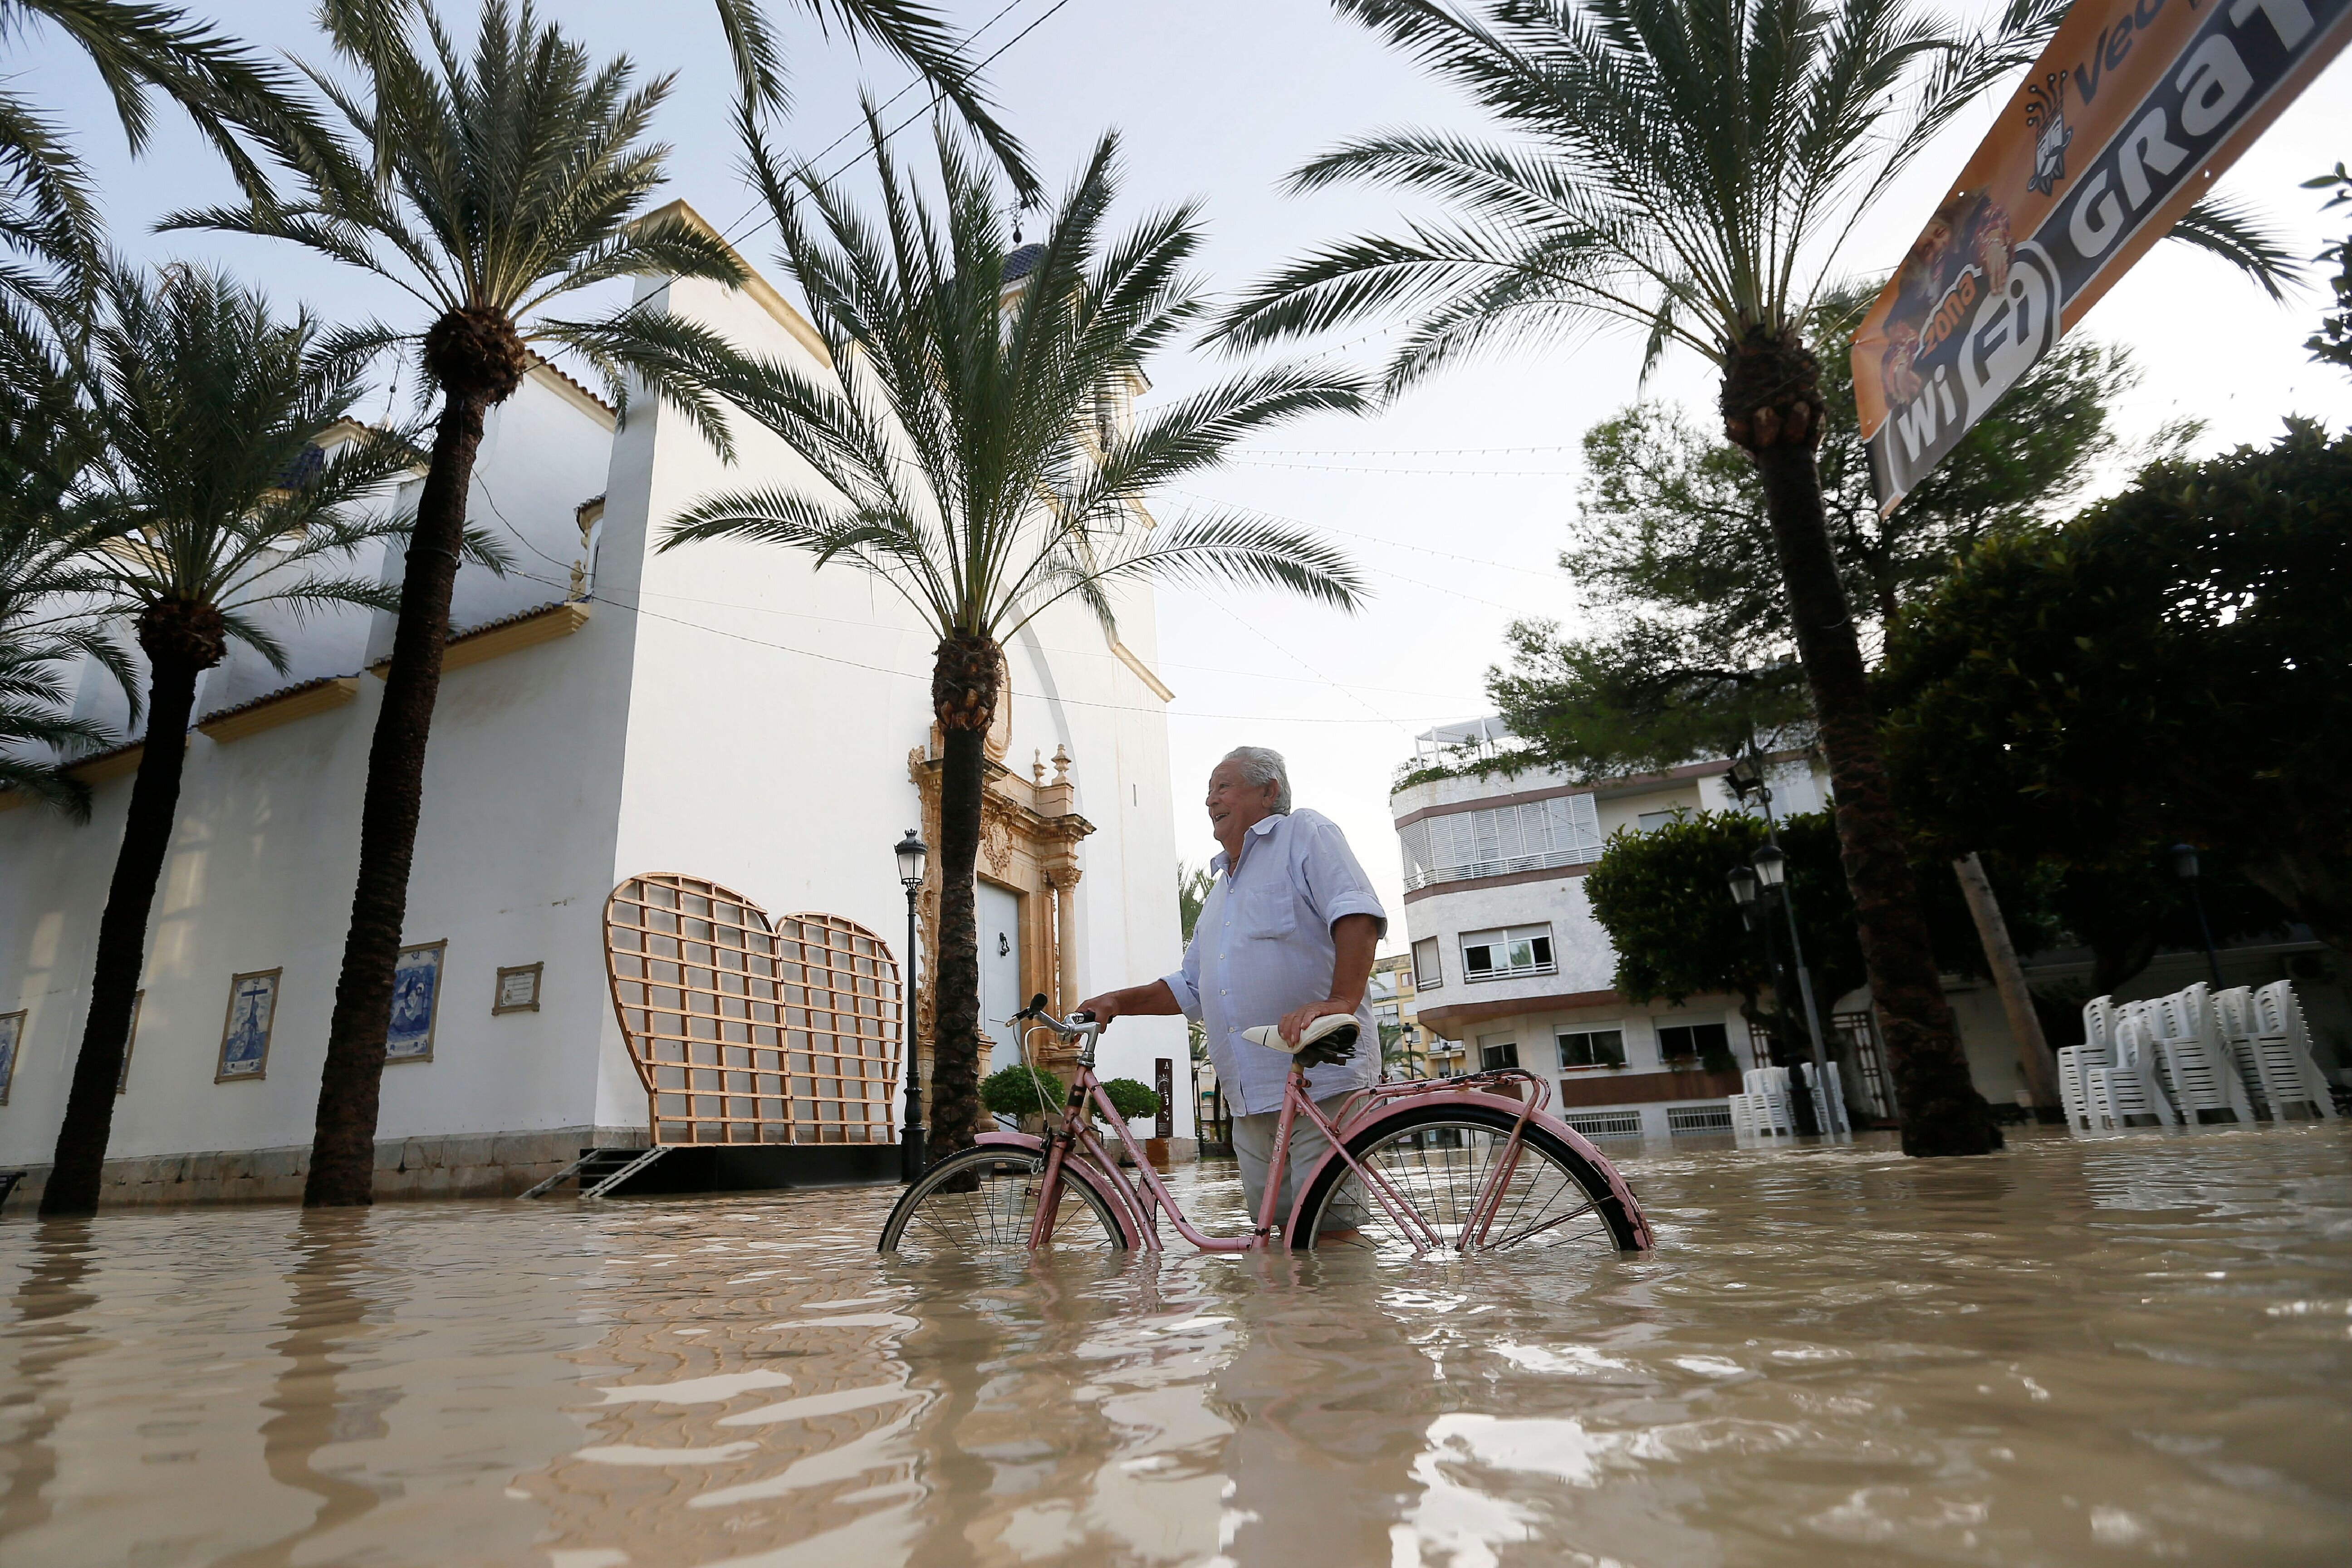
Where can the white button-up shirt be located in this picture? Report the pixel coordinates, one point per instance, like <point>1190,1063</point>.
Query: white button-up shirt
<point>1263,946</point>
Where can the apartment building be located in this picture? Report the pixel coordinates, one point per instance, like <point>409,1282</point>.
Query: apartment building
<point>1508,967</point>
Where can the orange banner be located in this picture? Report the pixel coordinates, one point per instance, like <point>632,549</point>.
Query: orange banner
<point>2122,123</point>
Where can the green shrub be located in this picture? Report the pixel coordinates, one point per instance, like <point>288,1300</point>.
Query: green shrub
<point>1131,1098</point>
<point>1017,1092</point>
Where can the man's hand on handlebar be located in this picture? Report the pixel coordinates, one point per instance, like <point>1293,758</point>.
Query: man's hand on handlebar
<point>1136,1001</point>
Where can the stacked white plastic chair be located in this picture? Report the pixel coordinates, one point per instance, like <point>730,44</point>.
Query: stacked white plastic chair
<point>2076,1062</point>
<point>2198,1069</point>
<point>2129,1087</point>
<point>1768,1101</point>
<point>2282,1047</point>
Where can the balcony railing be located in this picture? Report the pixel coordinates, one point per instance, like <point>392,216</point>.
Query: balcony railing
<point>1548,861</point>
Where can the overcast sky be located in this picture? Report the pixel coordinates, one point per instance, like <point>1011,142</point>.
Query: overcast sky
<point>1218,99</point>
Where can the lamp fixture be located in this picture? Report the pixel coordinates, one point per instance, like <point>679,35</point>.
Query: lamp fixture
<point>912,853</point>
<point>1743,886</point>
<point>2184,862</point>
<point>1771,866</point>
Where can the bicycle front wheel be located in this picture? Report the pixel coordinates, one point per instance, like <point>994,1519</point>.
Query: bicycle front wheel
<point>1438,1159</point>
<point>982,1203</point>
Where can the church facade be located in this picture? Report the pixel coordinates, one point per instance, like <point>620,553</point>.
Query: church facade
<point>721,713</point>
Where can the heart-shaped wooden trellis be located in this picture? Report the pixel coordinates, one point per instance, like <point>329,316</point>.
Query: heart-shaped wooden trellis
<point>748,1030</point>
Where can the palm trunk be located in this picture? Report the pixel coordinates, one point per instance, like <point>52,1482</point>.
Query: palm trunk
<point>181,641</point>
<point>955,967</point>
<point>1772,407</point>
<point>963,699</point>
<point>343,1149</point>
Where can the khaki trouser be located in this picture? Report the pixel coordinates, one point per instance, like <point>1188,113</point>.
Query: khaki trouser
<point>1254,1149</point>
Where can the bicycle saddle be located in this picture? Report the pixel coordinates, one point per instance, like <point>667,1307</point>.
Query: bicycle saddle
<point>1330,1039</point>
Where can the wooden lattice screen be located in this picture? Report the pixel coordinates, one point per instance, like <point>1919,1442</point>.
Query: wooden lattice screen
<point>746,1030</point>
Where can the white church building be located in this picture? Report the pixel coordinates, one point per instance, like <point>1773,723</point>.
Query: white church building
<point>722,713</point>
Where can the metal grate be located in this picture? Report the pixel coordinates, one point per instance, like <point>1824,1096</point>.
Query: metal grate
<point>1699,1118</point>
<point>1609,1124</point>
<point>749,1031</point>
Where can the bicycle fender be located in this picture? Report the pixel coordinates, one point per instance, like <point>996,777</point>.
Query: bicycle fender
<point>1078,1167</point>
<point>1618,1188</point>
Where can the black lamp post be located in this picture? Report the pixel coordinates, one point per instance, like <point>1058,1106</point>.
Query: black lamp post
<point>1745,777</point>
<point>1743,893</point>
<point>2184,866</point>
<point>912,853</point>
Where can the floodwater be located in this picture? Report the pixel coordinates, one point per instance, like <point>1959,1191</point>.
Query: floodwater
<point>2080,1351</point>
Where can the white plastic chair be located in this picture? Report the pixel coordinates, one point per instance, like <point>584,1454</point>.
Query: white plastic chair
<point>2129,1087</point>
<point>1743,1115</point>
<point>2197,1069</point>
<point>2075,1062</point>
<point>1768,1091</point>
<point>2283,1046</point>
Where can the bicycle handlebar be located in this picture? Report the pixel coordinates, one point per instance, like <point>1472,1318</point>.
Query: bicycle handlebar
<point>1077,1027</point>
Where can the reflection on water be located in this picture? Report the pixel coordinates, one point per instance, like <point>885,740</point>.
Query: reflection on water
<point>2120,1348</point>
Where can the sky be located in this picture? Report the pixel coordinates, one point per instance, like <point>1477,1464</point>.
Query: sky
<point>1453,500</point>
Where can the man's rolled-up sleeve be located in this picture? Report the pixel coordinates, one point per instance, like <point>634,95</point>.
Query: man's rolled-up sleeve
<point>1186,982</point>
<point>1336,883</point>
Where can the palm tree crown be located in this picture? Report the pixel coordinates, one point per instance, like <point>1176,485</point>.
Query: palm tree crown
<point>967,435</point>
<point>487,186</point>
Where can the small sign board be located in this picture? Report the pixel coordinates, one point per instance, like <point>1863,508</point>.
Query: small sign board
<point>517,989</point>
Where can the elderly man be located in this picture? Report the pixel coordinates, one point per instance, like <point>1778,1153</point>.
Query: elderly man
<point>1287,935</point>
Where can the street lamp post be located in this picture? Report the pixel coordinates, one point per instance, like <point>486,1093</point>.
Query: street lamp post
<point>2184,866</point>
<point>1745,776</point>
<point>912,853</point>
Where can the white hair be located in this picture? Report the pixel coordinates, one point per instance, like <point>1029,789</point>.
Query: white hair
<point>1261,765</point>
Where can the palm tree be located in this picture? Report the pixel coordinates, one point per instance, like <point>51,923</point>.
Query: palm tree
<point>486,191</point>
<point>962,434</point>
<point>204,402</point>
<point>1690,168</point>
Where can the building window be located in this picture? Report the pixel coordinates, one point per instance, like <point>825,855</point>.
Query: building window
<point>1688,1044</point>
<point>1592,1048</point>
<point>1427,976</point>
<point>1650,821</point>
<point>1456,845</point>
<point>1495,1051</point>
<point>1503,954</point>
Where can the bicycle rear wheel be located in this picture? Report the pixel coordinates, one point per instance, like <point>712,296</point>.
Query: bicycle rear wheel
<point>1438,1159</point>
<point>983,1202</point>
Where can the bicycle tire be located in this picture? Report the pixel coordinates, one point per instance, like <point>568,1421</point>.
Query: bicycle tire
<point>1562,1186</point>
<point>992,1218</point>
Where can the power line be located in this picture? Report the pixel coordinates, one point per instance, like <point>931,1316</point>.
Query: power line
<point>865,151</point>
<point>1256,462</point>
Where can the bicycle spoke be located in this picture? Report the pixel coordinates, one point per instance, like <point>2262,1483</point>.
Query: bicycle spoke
<point>996,1213</point>
<point>1442,1171</point>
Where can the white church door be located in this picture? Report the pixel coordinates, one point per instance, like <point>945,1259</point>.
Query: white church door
<point>999,972</point>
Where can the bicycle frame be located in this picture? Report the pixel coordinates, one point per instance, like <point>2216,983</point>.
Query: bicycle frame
<point>1075,1151</point>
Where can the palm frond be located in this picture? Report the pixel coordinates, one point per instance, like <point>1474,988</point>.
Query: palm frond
<point>2233,232</point>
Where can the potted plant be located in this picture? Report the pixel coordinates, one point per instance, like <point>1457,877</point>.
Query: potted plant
<point>1132,1099</point>
<point>1025,1093</point>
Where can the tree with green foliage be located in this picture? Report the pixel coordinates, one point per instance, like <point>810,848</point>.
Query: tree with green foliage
<point>206,403</point>
<point>1022,1090</point>
<point>2170,665</point>
<point>1671,546</point>
<point>968,455</point>
<point>1131,1098</point>
<point>2333,343</point>
<point>1665,898</point>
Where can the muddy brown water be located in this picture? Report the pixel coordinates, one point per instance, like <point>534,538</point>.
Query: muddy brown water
<point>2080,1351</point>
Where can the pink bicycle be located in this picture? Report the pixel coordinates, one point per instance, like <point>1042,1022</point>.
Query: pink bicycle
<point>1464,1164</point>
